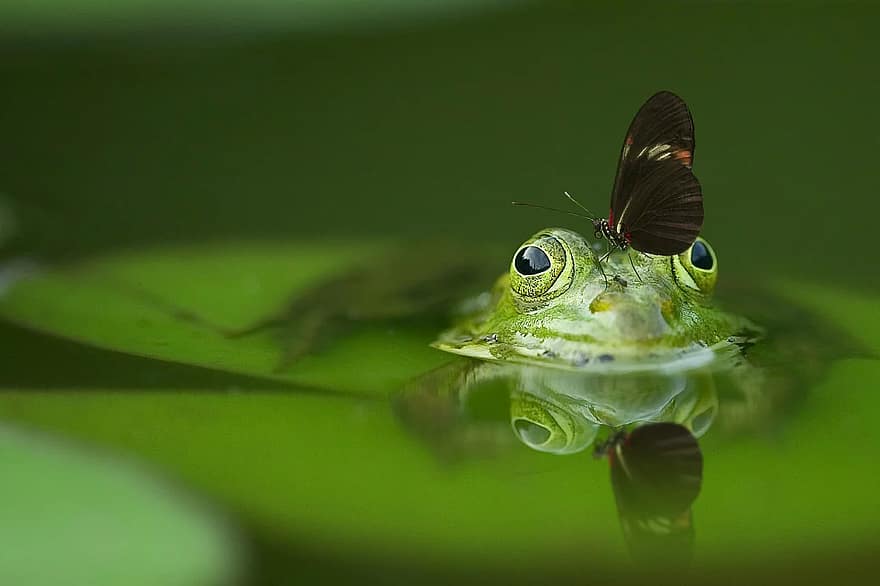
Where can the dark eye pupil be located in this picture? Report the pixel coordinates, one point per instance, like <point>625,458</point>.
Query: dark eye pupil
<point>531,260</point>
<point>700,256</point>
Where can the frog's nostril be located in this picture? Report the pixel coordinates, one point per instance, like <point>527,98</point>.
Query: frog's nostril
<point>600,303</point>
<point>531,433</point>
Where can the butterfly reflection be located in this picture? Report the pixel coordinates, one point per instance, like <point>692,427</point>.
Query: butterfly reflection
<point>644,424</point>
<point>656,475</point>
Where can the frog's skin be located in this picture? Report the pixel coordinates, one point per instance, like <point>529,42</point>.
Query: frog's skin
<point>635,311</point>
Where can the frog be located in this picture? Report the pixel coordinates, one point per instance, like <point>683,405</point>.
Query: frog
<point>584,346</point>
<point>559,306</point>
<point>571,350</point>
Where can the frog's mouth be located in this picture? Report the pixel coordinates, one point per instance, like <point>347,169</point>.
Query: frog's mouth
<point>562,353</point>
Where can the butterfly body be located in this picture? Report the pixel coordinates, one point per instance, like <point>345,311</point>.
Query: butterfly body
<point>603,228</point>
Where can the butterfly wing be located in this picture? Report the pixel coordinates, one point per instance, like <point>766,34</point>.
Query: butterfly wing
<point>656,199</point>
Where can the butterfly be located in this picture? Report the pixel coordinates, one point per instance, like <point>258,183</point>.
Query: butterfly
<point>656,202</point>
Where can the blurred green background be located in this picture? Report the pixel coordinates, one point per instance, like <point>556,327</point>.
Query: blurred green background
<point>132,124</point>
<point>181,121</point>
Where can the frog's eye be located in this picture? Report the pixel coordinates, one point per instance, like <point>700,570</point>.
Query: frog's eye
<point>541,269</point>
<point>531,260</point>
<point>697,267</point>
<point>549,427</point>
<point>701,258</point>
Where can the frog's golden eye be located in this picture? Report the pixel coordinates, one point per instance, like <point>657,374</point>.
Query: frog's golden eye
<point>696,268</point>
<point>541,269</point>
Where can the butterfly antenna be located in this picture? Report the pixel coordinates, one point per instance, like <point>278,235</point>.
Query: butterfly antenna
<point>540,207</point>
<point>571,198</point>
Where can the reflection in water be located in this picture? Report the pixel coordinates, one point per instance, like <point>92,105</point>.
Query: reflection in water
<point>656,474</point>
<point>647,424</point>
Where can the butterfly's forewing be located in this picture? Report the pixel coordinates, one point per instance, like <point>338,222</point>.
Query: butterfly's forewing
<point>656,199</point>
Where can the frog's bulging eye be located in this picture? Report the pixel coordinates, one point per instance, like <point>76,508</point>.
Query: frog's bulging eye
<point>530,432</point>
<point>696,268</point>
<point>701,258</point>
<point>541,269</point>
<point>531,260</point>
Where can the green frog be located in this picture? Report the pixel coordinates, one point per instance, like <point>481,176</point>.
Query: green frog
<point>578,345</point>
<point>577,349</point>
<point>559,306</point>
<point>570,352</point>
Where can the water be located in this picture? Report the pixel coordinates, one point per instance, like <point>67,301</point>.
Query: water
<point>221,175</point>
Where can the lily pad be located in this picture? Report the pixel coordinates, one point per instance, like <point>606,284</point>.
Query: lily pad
<point>71,517</point>
<point>180,304</point>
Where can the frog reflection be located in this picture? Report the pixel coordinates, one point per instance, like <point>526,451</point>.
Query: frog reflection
<point>563,412</point>
<point>470,409</point>
<point>655,469</point>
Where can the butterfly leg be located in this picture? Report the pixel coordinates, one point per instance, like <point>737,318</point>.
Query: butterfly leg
<point>599,262</point>
<point>633,265</point>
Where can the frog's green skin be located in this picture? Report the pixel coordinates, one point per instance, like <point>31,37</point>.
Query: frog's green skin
<point>635,311</point>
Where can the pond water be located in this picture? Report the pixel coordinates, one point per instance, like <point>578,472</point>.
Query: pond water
<point>162,190</point>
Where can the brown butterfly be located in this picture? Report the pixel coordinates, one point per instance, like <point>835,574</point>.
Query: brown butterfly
<point>656,202</point>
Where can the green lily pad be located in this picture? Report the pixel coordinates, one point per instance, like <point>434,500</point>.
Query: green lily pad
<point>71,517</point>
<point>178,305</point>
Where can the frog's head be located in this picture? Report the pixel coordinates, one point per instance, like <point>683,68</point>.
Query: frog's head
<point>555,261</point>
<point>557,304</point>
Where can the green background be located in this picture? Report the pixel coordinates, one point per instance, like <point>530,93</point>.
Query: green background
<point>189,130</point>
<point>434,125</point>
